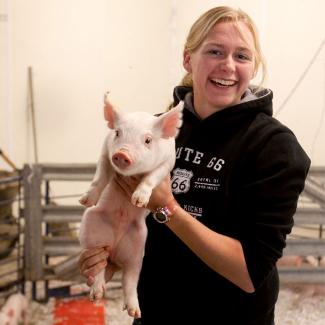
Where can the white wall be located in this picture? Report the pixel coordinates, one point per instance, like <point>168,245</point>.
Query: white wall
<point>80,48</point>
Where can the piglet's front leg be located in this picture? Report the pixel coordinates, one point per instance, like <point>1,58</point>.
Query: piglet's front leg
<point>141,195</point>
<point>90,198</point>
<point>101,178</point>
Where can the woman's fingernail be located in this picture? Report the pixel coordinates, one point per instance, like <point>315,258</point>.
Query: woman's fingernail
<point>90,281</point>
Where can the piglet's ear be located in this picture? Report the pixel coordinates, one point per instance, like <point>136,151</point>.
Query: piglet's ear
<point>110,112</point>
<point>171,121</point>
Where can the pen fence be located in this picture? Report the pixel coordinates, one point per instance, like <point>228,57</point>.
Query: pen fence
<point>51,226</point>
<point>11,235</point>
<point>306,243</point>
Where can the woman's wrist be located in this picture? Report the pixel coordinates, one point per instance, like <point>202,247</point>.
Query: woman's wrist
<point>165,212</point>
<point>172,206</point>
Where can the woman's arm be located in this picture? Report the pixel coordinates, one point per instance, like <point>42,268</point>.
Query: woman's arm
<point>221,253</point>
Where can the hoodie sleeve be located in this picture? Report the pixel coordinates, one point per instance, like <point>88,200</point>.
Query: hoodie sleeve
<point>268,200</point>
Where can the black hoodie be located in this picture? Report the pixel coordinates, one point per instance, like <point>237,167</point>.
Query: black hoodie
<point>239,172</point>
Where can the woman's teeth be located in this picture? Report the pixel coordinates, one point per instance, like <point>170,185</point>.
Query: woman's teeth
<point>223,83</point>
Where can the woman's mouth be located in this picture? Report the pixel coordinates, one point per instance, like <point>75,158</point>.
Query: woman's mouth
<point>223,83</point>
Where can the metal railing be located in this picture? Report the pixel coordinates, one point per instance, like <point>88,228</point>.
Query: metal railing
<point>11,233</point>
<point>41,245</point>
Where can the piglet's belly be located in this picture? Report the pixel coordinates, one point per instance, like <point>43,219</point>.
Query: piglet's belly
<point>117,229</point>
<point>95,229</point>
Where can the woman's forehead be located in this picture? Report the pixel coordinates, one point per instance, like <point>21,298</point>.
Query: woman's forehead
<point>224,32</point>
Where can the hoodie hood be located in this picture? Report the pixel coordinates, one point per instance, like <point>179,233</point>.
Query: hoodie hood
<point>254,101</point>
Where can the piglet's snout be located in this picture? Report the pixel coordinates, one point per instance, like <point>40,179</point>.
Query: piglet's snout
<point>121,159</point>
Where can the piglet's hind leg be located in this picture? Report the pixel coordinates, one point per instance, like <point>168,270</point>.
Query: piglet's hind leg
<point>129,282</point>
<point>97,290</point>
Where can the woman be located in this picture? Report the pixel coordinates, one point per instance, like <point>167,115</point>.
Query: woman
<point>232,195</point>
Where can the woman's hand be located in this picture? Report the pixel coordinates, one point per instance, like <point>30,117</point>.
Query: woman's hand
<point>93,260</point>
<point>161,194</point>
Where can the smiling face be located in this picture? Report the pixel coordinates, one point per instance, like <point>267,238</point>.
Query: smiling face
<point>221,67</point>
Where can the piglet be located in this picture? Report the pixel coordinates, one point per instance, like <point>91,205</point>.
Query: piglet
<point>15,310</point>
<point>140,144</point>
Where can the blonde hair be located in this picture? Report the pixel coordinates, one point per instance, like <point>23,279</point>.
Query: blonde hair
<point>207,21</point>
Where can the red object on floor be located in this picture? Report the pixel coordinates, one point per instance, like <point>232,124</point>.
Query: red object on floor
<point>79,312</point>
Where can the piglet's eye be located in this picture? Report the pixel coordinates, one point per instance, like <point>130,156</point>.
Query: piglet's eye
<point>148,140</point>
<point>117,133</point>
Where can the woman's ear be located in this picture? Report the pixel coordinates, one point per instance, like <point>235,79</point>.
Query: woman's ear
<point>187,61</point>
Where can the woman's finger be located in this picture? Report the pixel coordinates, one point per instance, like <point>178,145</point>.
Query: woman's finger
<point>90,257</point>
<point>88,252</point>
<point>126,184</point>
<point>93,261</point>
<point>110,271</point>
<point>90,281</point>
<point>94,269</point>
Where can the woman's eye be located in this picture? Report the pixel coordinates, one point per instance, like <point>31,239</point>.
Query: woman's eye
<point>243,57</point>
<point>215,52</point>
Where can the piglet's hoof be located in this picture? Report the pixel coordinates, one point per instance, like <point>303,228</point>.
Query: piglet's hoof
<point>97,293</point>
<point>133,311</point>
<point>140,198</point>
<point>87,200</point>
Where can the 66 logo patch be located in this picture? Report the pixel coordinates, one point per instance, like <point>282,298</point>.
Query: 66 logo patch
<point>181,180</point>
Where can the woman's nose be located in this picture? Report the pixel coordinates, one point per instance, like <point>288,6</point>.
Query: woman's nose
<point>228,64</point>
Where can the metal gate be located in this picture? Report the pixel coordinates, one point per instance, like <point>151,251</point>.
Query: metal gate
<point>11,234</point>
<point>51,256</point>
